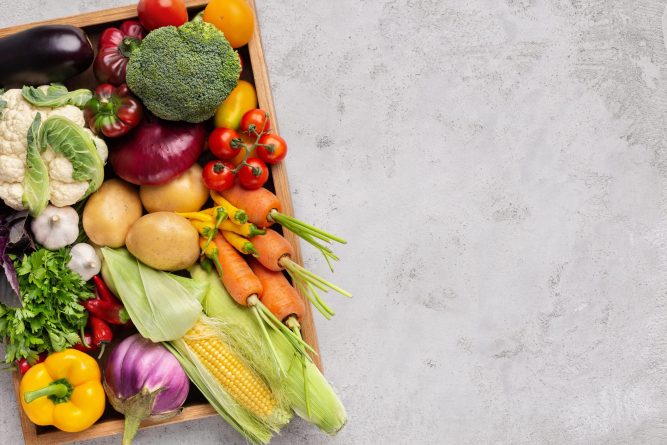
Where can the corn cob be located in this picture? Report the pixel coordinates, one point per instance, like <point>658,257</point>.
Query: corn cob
<point>228,381</point>
<point>229,371</point>
<point>306,390</point>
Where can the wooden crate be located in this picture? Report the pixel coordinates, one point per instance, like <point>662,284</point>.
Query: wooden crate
<point>196,407</point>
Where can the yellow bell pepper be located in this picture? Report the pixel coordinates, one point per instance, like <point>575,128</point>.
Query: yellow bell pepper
<point>64,391</point>
<point>242,99</point>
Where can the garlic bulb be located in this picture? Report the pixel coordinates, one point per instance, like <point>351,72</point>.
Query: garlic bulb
<point>84,261</point>
<point>56,227</point>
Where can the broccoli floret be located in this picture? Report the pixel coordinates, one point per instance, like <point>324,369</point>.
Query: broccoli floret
<point>184,73</point>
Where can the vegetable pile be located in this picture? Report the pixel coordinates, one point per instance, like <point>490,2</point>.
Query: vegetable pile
<point>173,268</point>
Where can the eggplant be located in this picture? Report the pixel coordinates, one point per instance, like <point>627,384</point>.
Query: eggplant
<point>43,55</point>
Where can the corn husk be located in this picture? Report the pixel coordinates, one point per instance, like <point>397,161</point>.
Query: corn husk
<point>161,305</point>
<point>252,427</point>
<point>307,391</point>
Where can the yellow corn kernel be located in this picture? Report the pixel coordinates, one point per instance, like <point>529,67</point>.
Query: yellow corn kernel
<point>235,377</point>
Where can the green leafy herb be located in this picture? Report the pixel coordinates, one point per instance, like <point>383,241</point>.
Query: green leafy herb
<point>51,317</point>
<point>56,96</point>
<point>3,103</point>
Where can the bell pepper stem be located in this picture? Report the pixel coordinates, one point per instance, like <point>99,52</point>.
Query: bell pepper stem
<point>129,45</point>
<point>57,390</point>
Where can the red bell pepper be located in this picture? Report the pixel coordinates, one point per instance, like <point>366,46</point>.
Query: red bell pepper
<point>115,47</point>
<point>112,111</point>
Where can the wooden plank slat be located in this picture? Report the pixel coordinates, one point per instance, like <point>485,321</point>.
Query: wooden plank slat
<point>109,427</point>
<point>92,18</point>
<point>279,172</point>
<point>112,427</point>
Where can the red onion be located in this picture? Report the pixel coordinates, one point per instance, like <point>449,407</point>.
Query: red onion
<point>143,379</point>
<point>157,151</point>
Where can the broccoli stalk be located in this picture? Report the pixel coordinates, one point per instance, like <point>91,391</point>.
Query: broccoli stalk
<point>184,73</point>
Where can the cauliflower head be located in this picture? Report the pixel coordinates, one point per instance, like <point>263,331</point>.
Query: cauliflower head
<point>16,117</point>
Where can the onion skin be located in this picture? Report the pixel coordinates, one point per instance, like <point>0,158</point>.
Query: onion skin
<point>143,379</point>
<point>157,151</point>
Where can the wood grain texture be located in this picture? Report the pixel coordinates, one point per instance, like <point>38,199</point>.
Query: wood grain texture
<point>108,427</point>
<point>92,18</point>
<point>111,427</point>
<point>279,172</point>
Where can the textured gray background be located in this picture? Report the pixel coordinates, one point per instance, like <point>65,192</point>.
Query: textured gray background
<point>499,169</point>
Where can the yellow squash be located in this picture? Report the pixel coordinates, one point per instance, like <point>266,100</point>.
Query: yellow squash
<point>64,391</point>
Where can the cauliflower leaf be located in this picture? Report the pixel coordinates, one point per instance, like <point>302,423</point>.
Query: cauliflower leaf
<point>77,146</point>
<point>36,179</point>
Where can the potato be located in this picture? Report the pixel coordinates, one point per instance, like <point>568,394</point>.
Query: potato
<point>185,193</point>
<point>110,212</point>
<point>163,241</point>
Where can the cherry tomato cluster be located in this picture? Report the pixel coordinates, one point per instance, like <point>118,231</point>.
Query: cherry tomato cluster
<point>244,153</point>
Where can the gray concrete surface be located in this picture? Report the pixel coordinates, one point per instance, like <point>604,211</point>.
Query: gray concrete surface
<point>499,168</point>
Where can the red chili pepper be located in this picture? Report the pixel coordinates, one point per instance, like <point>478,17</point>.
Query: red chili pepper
<point>112,111</point>
<point>102,333</point>
<point>115,47</point>
<point>103,291</point>
<point>86,344</point>
<point>109,312</point>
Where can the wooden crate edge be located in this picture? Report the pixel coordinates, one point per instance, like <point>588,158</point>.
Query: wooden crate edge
<point>91,18</point>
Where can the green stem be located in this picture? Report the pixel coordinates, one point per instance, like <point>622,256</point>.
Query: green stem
<point>307,282</point>
<point>314,298</point>
<point>130,429</point>
<point>253,301</point>
<point>277,216</point>
<point>307,235</point>
<point>254,231</point>
<point>129,45</point>
<point>258,135</point>
<point>279,327</point>
<point>56,391</point>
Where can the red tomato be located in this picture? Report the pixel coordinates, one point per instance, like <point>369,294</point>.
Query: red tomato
<point>225,143</point>
<point>253,174</point>
<point>272,148</point>
<point>158,13</point>
<point>255,121</point>
<point>218,175</point>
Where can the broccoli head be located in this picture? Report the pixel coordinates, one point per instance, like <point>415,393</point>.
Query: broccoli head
<point>184,73</point>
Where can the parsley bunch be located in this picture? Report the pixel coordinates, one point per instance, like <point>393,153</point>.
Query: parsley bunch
<point>51,317</point>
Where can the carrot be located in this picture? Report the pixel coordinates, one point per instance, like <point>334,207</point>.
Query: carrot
<point>271,248</point>
<point>278,295</point>
<point>275,253</point>
<point>245,288</point>
<point>264,209</point>
<point>258,204</point>
<point>237,276</point>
